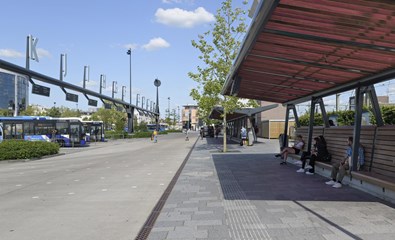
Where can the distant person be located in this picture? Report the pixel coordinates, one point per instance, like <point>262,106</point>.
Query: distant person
<point>54,132</point>
<point>201,133</point>
<point>295,149</point>
<point>217,130</point>
<point>331,123</point>
<point>155,136</point>
<point>256,130</point>
<point>243,134</point>
<point>339,169</point>
<point>186,134</point>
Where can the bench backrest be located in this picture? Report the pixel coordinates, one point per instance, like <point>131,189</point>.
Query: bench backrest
<point>384,152</point>
<point>378,143</point>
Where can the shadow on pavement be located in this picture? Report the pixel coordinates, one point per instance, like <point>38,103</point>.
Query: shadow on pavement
<point>261,177</point>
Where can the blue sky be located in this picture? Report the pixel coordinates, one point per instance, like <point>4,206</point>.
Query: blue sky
<point>98,34</point>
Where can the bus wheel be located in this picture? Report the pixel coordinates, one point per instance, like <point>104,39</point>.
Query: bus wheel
<point>61,143</point>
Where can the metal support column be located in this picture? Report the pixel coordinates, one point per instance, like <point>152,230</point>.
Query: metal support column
<point>357,126</point>
<point>323,112</point>
<point>375,106</point>
<point>311,124</point>
<point>297,123</point>
<point>285,136</point>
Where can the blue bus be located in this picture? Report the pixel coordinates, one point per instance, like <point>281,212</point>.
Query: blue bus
<point>66,132</point>
<point>162,127</point>
<point>94,131</point>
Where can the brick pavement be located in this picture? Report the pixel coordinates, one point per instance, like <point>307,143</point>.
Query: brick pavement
<point>247,194</point>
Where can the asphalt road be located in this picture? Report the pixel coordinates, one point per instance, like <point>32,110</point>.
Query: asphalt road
<point>105,191</point>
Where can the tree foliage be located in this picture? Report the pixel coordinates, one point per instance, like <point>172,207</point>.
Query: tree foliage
<point>219,48</point>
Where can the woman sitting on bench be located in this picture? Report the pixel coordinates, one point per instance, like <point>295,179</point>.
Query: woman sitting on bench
<point>295,149</point>
<point>320,153</point>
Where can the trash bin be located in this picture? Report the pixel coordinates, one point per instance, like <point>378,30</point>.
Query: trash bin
<point>281,139</point>
<point>250,138</point>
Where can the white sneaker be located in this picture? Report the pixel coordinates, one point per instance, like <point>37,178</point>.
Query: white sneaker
<point>337,185</point>
<point>309,167</point>
<point>331,182</point>
<point>300,170</point>
<point>298,162</point>
<point>309,173</point>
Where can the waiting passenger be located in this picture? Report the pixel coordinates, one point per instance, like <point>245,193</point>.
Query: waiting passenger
<point>339,169</point>
<point>295,149</point>
<point>319,153</point>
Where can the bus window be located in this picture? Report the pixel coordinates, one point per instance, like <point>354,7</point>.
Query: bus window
<point>28,128</point>
<point>62,127</point>
<point>18,131</point>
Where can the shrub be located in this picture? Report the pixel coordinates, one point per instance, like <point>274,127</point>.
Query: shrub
<point>18,149</point>
<point>305,119</point>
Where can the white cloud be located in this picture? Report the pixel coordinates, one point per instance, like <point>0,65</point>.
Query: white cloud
<point>10,53</point>
<point>42,53</point>
<point>156,43</point>
<point>184,19</point>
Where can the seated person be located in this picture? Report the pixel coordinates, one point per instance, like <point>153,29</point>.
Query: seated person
<point>339,169</point>
<point>295,149</point>
<point>320,153</point>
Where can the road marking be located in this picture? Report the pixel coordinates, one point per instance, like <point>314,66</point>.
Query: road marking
<point>35,197</point>
<point>134,186</point>
<point>18,185</point>
<point>102,178</point>
<point>71,193</point>
<point>149,173</point>
<point>161,184</point>
<point>49,182</point>
<point>104,190</point>
<point>76,180</point>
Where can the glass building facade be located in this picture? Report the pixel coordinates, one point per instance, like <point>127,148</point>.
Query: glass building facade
<point>7,89</point>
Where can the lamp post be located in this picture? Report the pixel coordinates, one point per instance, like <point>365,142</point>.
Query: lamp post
<point>130,120</point>
<point>168,107</point>
<point>157,84</point>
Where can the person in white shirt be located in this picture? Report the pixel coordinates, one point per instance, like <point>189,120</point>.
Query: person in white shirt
<point>295,149</point>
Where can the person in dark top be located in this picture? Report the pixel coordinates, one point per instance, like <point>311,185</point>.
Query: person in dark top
<point>319,152</point>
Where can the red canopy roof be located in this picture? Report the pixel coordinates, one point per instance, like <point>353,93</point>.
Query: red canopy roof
<point>296,49</point>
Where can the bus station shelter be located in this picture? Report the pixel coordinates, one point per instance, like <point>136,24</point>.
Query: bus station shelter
<point>238,118</point>
<point>300,50</point>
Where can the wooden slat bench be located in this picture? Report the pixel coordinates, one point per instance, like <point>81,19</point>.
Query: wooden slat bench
<point>379,147</point>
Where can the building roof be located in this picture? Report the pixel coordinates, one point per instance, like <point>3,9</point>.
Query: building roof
<point>297,49</point>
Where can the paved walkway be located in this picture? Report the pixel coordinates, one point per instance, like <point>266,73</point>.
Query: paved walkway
<point>247,194</point>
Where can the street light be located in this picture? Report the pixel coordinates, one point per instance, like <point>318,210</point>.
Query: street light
<point>130,121</point>
<point>168,108</point>
<point>157,84</point>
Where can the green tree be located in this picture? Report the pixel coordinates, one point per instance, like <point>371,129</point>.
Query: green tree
<point>53,112</point>
<point>5,112</point>
<point>218,47</point>
<point>29,111</point>
<point>104,115</point>
<point>67,112</point>
<point>118,119</point>
<point>304,120</point>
